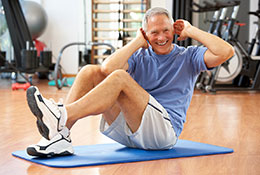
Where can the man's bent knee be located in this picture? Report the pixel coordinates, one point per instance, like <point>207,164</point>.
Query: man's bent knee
<point>120,74</point>
<point>92,71</point>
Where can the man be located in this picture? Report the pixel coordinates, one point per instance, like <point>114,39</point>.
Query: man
<point>142,90</point>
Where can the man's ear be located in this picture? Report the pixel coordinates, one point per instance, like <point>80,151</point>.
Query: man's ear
<point>173,31</point>
<point>144,34</point>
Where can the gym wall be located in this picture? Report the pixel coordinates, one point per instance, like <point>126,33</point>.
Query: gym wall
<point>66,24</point>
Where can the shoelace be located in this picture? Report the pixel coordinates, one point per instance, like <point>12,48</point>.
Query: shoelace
<point>55,106</point>
<point>58,108</point>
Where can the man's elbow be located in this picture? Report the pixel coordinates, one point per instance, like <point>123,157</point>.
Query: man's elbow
<point>226,54</point>
<point>215,60</point>
<point>230,52</point>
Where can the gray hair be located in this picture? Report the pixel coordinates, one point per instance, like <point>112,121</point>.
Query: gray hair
<point>155,11</point>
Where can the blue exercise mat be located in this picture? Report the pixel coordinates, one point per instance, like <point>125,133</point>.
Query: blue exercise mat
<point>101,154</point>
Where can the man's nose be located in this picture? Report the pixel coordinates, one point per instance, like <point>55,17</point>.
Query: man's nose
<point>161,37</point>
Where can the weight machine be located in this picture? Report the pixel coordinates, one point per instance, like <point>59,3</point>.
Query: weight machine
<point>25,59</point>
<point>242,71</point>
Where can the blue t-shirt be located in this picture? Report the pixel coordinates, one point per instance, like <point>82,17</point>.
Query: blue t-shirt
<point>169,78</point>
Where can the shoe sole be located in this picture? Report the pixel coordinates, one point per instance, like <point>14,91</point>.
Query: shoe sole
<point>43,129</point>
<point>33,152</point>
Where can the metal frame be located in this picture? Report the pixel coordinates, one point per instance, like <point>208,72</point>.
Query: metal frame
<point>57,69</point>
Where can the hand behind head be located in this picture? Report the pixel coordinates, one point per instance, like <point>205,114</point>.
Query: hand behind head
<point>180,27</point>
<point>141,35</point>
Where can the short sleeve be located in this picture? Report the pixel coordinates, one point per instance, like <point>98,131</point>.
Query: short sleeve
<point>134,59</point>
<point>131,64</point>
<point>197,59</point>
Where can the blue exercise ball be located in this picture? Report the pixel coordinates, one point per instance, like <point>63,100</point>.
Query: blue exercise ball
<point>35,17</point>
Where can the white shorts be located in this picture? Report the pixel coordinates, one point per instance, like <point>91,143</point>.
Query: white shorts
<point>155,131</point>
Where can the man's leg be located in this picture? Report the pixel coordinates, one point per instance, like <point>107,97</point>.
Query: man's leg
<point>115,93</point>
<point>88,77</point>
<point>55,114</point>
<point>118,88</point>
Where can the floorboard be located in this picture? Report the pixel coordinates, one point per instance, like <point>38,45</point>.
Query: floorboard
<point>229,119</point>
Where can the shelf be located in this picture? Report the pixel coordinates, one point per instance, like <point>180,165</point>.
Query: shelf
<point>131,20</point>
<point>135,11</point>
<point>104,38</point>
<point>109,38</point>
<point>116,20</point>
<point>101,47</point>
<point>119,14</point>
<point>104,29</point>
<point>128,38</point>
<point>117,11</point>
<point>100,56</point>
<point>129,30</point>
<point>113,30</point>
<point>105,20</point>
<point>121,2</point>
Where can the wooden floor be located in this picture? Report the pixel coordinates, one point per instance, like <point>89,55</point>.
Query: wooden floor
<point>226,119</point>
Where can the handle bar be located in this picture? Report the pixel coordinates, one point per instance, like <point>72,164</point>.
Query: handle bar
<point>217,5</point>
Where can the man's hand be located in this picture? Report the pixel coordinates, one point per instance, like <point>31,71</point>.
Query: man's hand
<point>118,60</point>
<point>218,50</point>
<point>180,28</point>
<point>141,36</point>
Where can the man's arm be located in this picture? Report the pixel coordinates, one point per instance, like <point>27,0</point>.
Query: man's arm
<point>218,50</point>
<point>118,60</point>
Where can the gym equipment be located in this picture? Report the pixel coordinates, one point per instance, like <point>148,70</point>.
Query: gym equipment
<point>18,28</point>
<point>2,61</point>
<point>3,26</point>
<point>101,154</point>
<point>213,6</point>
<point>246,74</point>
<point>26,60</point>
<point>226,35</point>
<point>10,67</point>
<point>68,83</point>
<point>24,86</point>
<point>241,72</point>
<point>61,81</point>
<point>25,56</point>
<point>29,58</point>
<point>119,21</point>
<point>116,23</point>
<point>216,28</point>
<point>181,10</point>
<point>5,43</point>
<point>36,18</point>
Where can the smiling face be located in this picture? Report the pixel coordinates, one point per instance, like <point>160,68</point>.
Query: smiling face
<point>160,34</point>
